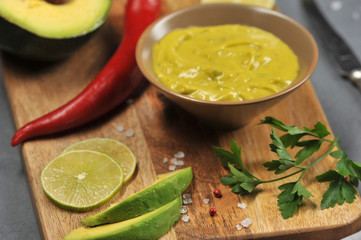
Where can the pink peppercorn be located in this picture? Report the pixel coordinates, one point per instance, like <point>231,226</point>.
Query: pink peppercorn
<point>217,193</point>
<point>212,211</point>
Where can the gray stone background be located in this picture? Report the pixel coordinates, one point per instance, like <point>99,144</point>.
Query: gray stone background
<point>340,100</point>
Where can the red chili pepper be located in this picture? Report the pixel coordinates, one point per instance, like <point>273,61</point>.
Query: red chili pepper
<point>115,82</point>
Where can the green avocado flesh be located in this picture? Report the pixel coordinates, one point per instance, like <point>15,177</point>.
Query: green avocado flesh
<point>164,190</point>
<point>149,226</point>
<point>39,30</point>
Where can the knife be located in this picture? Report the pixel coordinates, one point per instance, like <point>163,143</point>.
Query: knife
<point>347,64</point>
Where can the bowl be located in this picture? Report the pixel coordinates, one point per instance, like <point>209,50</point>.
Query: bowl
<point>229,114</point>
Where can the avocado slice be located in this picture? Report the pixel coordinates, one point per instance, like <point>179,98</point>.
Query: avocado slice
<point>164,190</point>
<point>149,226</point>
<point>38,29</point>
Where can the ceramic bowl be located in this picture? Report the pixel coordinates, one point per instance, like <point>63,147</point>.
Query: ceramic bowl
<point>229,114</point>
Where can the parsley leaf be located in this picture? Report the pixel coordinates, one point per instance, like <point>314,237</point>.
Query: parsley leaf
<point>342,181</point>
<point>339,189</point>
<point>291,197</point>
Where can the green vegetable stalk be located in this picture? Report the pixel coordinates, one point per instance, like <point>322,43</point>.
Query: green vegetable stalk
<point>343,181</point>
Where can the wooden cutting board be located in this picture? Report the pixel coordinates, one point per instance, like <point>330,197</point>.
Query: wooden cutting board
<point>161,129</point>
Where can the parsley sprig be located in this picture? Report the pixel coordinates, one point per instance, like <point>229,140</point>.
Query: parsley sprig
<point>343,180</point>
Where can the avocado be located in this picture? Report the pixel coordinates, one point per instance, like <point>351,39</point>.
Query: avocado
<point>149,226</point>
<point>164,190</point>
<point>41,30</point>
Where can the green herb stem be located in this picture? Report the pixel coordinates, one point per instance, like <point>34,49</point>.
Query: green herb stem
<point>277,179</point>
<point>334,143</point>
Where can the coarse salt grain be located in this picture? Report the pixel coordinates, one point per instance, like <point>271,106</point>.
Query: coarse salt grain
<point>206,200</point>
<point>186,195</point>
<point>246,222</point>
<point>185,218</point>
<point>172,168</point>
<point>129,133</point>
<point>184,209</point>
<point>165,160</point>
<point>179,163</point>
<point>119,128</point>
<point>239,227</point>
<point>179,154</point>
<point>187,201</point>
<point>242,205</point>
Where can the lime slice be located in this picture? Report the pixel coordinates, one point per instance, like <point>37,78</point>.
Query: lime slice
<point>270,4</point>
<point>81,180</point>
<point>115,149</point>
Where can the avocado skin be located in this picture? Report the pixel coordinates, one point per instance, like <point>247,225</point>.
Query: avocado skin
<point>144,201</point>
<point>27,45</point>
<point>155,226</point>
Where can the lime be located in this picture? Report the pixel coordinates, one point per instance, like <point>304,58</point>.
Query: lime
<point>270,4</point>
<point>115,149</point>
<point>81,180</point>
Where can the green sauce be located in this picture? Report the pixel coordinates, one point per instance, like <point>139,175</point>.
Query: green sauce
<point>224,63</point>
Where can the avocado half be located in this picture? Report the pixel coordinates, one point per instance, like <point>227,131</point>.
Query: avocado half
<point>43,30</point>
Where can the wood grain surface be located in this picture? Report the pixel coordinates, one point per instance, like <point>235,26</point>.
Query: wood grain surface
<point>161,129</point>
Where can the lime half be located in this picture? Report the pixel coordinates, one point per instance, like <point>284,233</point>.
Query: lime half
<point>270,4</point>
<point>81,180</point>
<point>115,149</point>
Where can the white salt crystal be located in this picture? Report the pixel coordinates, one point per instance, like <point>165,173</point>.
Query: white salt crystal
<point>355,16</point>
<point>239,227</point>
<point>173,160</point>
<point>246,222</point>
<point>242,205</point>
<point>165,160</point>
<point>185,218</point>
<point>119,128</point>
<point>179,163</point>
<point>206,200</point>
<point>187,201</point>
<point>336,5</point>
<point>186,195</point>
<point>129,133</point>
<point>184,209</point>
<point>172,168</point>
<point>130,101</point>
<point>179,154</point>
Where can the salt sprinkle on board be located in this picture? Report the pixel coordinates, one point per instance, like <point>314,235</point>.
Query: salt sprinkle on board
<point>119,128</point>
<point>187,201</point>
<point>129,133</point>
<point>185,218</point>
<point>187,195</point>
<point>242,205</point>
<point>179,154</point>
<point>184,209</point>
<point>246,222</point>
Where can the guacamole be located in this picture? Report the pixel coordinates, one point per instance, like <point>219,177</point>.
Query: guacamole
<point>224,63</point>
